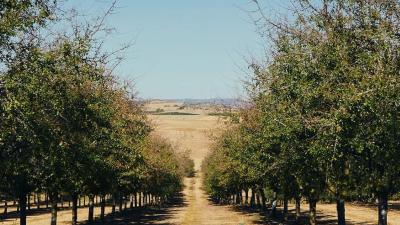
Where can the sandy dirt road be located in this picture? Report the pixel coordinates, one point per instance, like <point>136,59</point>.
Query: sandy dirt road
<point>193,132</point>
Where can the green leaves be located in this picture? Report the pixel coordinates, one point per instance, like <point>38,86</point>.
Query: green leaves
<point>327,107</point>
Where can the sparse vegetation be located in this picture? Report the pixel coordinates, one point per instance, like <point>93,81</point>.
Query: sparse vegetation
<point>159,110</point>
<point>223,114</point>
<point>176,114</point>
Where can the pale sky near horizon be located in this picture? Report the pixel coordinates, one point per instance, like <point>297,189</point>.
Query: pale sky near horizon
<point>182,48</point>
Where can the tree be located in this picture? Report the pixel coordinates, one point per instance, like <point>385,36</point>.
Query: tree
<point>326,64</point>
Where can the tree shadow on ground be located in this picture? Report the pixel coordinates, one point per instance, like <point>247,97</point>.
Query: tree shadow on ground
<point>143,216</point>
<point>278,219</point>
<point>34,211</point>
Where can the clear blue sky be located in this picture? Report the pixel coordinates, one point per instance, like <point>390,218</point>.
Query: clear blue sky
<point>183,48</point>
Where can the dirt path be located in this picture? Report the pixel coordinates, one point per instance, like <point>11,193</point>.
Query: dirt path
<point>192,132</point>
<point>199,210</point>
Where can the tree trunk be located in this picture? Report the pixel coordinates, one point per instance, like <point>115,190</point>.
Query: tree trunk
<point>313,211</point>
<point>285,207</point>
<point>91,208</point>
<point>246,197</point>
<point>298,212</point>
<point>5,209</point>
<point>22,209</point>
<point>38,201</point>
<point>113,204</point>
<point>74,209</point>
<point>84,200</point>
<point>140,199</point>
<point>237,200</point>
<point>263,200</point>
<point>29,201</point>
<point>103,206</point>
<point>253,197</point>
<point>340,208</point>
<point>53,202</point>
<point>47,200</point>
<point>79,201</point>
<point>120,202</point>
<point>382,209</point>
<point>135,198</point>
<point>258,200</point>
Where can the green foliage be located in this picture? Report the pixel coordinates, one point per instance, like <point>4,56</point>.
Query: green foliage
<point>67,126</point>
<point>326,107</point>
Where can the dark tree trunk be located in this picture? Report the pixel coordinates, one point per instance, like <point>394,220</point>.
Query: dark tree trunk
<point>131,201</point>
<point>84,200</point>
<point>140,199</point>
<point>263,200</point>
<point>340,208</point>
<point>53,202</point>
<point>258,200</point>
<point>113,204</point>
<point>237,198</point>
<point>74,209</point>
<point>29,201</point>
<point>120,202</point>
<point>38,201</point>
<point>62,201</point>
<point>22,209</point>
<point>382,209</point>
<point>79,201</point>
<point>5,209</point>
<point>103,206</point>
<point>125,202</point>
<point>298,212</point>
<point>47,200</point>
<point>135,198</point>
<point>313,211</point>
<point>246,197</point>
<point>91,208</point>
<point>285,207</point>
<point>253,197</point>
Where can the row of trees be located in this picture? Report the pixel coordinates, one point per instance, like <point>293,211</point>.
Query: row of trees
<point>68,128</point>
<point>324,116</point>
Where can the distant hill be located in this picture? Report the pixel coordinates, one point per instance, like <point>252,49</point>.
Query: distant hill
<point>225,102</point>
<point>213,101</point>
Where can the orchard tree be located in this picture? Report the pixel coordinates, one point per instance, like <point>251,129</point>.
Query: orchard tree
<point>336,64</point>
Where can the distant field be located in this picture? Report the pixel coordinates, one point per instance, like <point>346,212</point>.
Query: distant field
<point>220,114</point>
<point>174,113</point>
